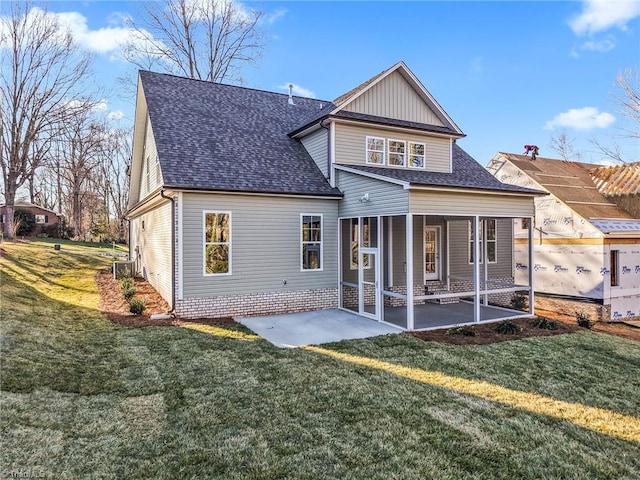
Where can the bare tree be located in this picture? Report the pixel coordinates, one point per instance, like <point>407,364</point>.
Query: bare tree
<point>42,71</point>
<point>202,39</point>
<point>563,146</point>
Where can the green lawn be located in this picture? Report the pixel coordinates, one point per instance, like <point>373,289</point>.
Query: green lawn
<point>83,398</point>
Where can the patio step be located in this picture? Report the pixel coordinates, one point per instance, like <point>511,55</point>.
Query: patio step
<point>442,301</point>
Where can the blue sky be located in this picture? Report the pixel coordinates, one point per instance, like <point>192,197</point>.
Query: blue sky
<point>508,73</point>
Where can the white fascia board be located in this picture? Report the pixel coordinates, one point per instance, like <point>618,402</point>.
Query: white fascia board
<point>375,176</point>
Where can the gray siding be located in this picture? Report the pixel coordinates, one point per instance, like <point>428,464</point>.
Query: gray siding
<point>151,247</point>
<point>384,198</point>
<point>459,250</point>
<point>151,175</point>
<point>451,203</point>
<point>394,97</point>
<point>350,147</point>
<point>265,244</point>
<point>316,145</point>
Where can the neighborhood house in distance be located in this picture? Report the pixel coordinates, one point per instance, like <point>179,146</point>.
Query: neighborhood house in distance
<point>587,246</point>
<point>46,221</point>
<point>247,202</point>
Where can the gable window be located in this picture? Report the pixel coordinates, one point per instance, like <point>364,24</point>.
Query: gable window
<point>366,236</point>
<point>217,243</point>
<point>311,242</point>
<point>375,150</point>
<point>397,153</point>
<point>416,154</point>
<point>492,241</point>
<point>41,219</point>
<point>614,265</point>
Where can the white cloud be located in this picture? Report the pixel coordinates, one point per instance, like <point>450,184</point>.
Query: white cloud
<point>601,15</point>
<point>585,118</point>
<point>275,16</point>
<point>599,46</point>
<point>298,90</point>
<point>115,115</point>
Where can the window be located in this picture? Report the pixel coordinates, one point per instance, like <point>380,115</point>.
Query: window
<point>375,150</point>
<point>2,218</point>
<point>416,155</point>
<point>614,264</point>
<point>492,240</point>
<point>311,233</point>
<point>217,243</point>
<point>42,219</point>
<point>366,236</point>
<point>396,152</point>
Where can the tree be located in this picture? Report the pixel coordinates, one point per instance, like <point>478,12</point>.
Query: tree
<point>42,72</point>
<point>563,146</point>
<point>202,39</point>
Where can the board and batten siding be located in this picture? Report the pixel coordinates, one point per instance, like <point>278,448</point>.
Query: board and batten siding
<point>452,203</point>
<point>151,174</point>
<point>316,144</point>
<point>350,146</point>
<point>265,244</point>
<point>384,198</point>
<point>151,247</point>
<point>459,266</point>
<point>393,97</point>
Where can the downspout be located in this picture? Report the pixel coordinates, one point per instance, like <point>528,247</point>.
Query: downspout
<point>173,249</point>
<point>328,148</point>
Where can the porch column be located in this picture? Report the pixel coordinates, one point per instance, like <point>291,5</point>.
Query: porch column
<point>476,269</point>
<point>532,300</point>
<point>485,261</point>
<point>409,258</point>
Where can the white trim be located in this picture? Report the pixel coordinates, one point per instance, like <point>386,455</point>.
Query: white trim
<point>204,244</point>
<point>340,266</point>
<point>396,128</point>
<point>390,250</point>
<point>389,153</point>
<point>179,247</point>
<point>450,155</point>
<point>367,150</point>
<point>375,252</point>
<point>302,215</point>
<point>409,260</point>
<point>484,248</point>
<point>375,176</point>
<point>476,270</point>
<point>438,248</point>
<point>424,154</point>
<point>360,241</point>
<point>332,153</point>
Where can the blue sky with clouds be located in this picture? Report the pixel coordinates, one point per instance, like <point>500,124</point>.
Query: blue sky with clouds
<point>508,73</point>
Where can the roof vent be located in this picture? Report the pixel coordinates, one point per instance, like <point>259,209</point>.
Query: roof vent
<point>291,94</point>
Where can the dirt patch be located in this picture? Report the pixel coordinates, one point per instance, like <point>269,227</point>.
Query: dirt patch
<point>486,333</point>
<point>116,308</point>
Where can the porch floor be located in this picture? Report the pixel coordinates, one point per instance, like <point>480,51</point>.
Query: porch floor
<point>433,315</point>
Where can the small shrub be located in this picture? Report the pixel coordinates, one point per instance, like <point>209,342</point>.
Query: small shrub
<point>137,306</point>
<point>129,293</point>
<point>508,328</point>
<point>518,301</point>
<point>122,273</point>
<point>465,331</point>
<point>545,324</point>
<point>584,321</point>
<point>126,283</point>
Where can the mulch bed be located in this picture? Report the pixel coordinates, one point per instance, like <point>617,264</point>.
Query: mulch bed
<point>116,309</point>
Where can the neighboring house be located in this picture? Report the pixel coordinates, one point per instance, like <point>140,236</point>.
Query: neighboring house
<point>46,220</point>
<point>247,202</point>
<point>587,247</point>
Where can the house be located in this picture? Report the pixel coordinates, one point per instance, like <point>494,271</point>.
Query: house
<point>47,221</point>
<point>247,202</point>
<point>587,246</point>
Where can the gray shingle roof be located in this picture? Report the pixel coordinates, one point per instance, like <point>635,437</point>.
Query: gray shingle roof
<point>220,137</point>
<point>466,173</point>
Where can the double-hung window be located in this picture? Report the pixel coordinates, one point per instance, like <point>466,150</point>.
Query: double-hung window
<point>492,240</point>
<point>397,153</point>
<point>375,150</point>
<point>311,242</point>
<point>217,243</point>
<point>416,154</point>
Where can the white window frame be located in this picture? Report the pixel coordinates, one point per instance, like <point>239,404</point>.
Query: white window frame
<point>43,217</point>
<point>365,242</point>
<point>403,154</point>
<point>303,242</point>
<point>470,242</point>
<point>368,150</point>
<point>205,243</point>
<point>424,154</point>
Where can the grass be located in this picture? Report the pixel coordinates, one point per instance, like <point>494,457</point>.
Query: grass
<point>83,398</point>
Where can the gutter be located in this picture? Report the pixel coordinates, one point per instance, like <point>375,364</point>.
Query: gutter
<point>173,248</point>
<point>328,129</point>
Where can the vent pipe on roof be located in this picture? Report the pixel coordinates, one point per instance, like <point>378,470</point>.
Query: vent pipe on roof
<point>291,94</point>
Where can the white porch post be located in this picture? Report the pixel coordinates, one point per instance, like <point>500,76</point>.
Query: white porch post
<point>476,269</point>
<point>532,300</point>
<point>485,260</point>
<point>340,263</point>
<point>409,258</point>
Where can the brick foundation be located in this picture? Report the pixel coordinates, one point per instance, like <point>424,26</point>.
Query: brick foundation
<point>566,306</point>
<point>253,304</point>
